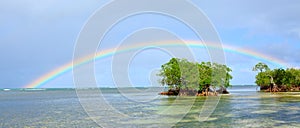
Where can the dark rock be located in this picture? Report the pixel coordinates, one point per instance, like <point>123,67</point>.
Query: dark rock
<point>222,91</point>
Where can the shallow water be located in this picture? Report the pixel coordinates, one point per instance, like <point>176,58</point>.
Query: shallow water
<point>244,107</point>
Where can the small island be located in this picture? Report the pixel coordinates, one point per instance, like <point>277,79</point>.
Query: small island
<point>185,78</point>
<point>277,80</point>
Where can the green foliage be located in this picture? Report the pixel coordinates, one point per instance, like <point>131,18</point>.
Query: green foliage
<point>220,75</point>
<point>292,77</point>
<point>205,73</point>
<point>182,74</point>
<point>170,73</point>
<point>189,74</point>
<point>263,78</point>
<point>282,78</point>
<point>278,76</point>
<point>261,67</point>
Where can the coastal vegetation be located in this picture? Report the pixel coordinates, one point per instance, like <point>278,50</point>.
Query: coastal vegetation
<point>192,78</point>
<point>277,80</point>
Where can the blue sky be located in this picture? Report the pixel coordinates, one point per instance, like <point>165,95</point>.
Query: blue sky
<point>38,37</point>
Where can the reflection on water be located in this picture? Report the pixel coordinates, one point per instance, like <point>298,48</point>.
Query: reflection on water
<point>244,107</point>
<point>256,109</point>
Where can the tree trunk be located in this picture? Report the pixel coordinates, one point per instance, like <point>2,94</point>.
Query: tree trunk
<point>273,87</point>
<point>215,92</point>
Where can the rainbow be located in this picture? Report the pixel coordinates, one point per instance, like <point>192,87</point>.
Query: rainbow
<point>42,80</point>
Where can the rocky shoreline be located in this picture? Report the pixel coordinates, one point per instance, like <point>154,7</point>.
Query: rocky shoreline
<point>279,89</point>
<point>177,92</point>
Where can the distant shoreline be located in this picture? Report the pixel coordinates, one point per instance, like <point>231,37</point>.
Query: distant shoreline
<point>97,87</point>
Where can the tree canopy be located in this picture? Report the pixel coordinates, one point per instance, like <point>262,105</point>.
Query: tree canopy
<point>277,79</point>
<point>181,74</point>
<point>261,67</point>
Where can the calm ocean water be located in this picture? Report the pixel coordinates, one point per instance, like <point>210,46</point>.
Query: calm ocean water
<point>142,107</point>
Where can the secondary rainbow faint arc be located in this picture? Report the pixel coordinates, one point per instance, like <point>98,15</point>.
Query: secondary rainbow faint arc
<point>108,52</point>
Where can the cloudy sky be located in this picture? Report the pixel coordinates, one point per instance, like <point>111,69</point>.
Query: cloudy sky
<point>37,37</point>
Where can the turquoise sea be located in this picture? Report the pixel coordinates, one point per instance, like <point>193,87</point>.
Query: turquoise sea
<point>142,107</point>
